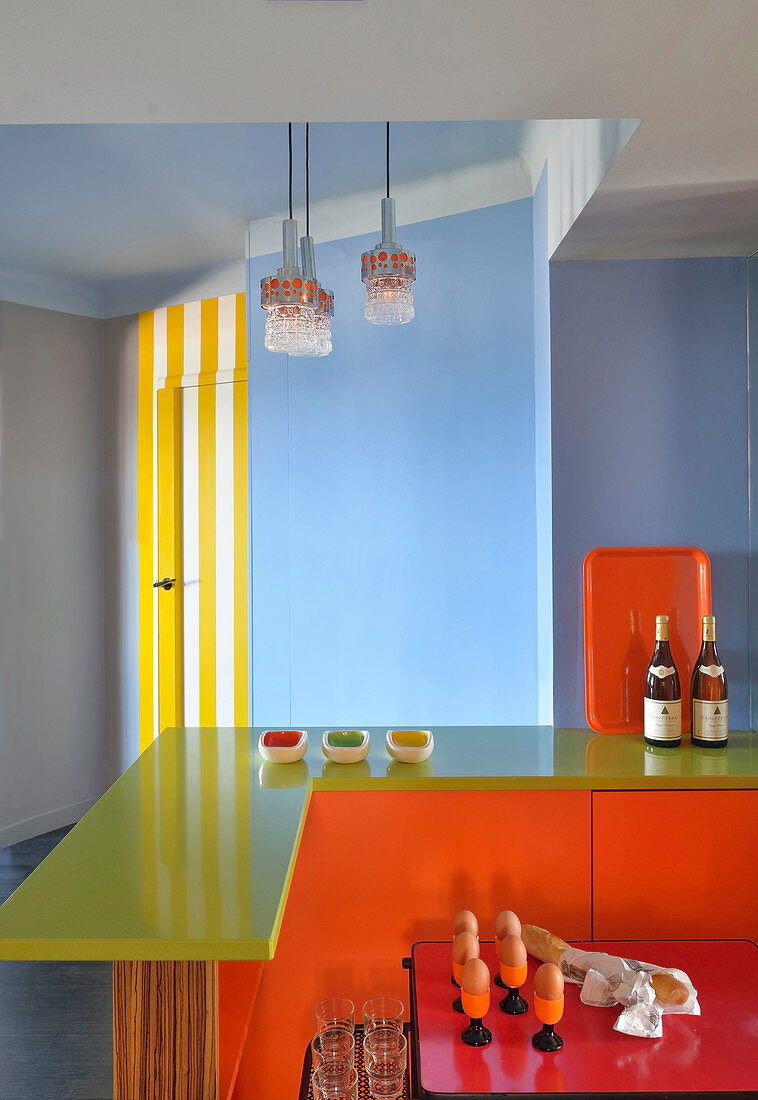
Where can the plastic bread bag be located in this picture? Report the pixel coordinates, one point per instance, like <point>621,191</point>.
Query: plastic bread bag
<point>607,980</point>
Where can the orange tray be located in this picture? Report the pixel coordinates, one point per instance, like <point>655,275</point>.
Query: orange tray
<point>625,587</point>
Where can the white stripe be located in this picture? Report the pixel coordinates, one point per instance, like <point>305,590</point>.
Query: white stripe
<point>224,555</point>
<point>227,331</point>
<point>193,823</point>
<point>191,550</point>
<point>221,376</point>
<point>191,365</point>
<point>160,367</point>
<point>227,840</point>
<point>160,335</point>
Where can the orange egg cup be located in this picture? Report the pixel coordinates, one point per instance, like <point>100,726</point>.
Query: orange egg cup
<point>476,1006</point>
<point>513,977</point>
<point>549,1013</point>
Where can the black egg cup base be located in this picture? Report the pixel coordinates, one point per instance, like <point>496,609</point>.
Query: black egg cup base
<point>546,1040</point>
<point>513,1004</point>
<point>499,982</point>
<point>476,1035</point>
<point>458,1005</point>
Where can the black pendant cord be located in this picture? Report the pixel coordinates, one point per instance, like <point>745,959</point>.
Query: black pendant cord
<point>307,179</point>
<point>388,160</point>
<point>290,172</point>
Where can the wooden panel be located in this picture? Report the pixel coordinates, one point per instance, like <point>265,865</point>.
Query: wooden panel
<point>675,864</point>
<point>378,871</point>
<point>165,1030</point>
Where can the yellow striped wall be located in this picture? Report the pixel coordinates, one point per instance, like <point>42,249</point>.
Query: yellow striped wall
<point>192,487</point>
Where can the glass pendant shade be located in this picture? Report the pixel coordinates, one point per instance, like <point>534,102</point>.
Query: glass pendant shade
<point>323,334</point>
<point>324,310</point>
<point>389,300</point>
<point>291,330</point>
<point>389,271</point>
<point>290,301</point>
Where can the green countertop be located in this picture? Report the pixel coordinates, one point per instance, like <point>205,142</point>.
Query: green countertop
<point>189,854</point>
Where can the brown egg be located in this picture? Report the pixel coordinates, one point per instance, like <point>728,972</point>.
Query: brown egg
<point>512,951</point>
<point>476,977</point>
<point>507,924</point>
<point>465,947</point>
<point>548,982</point>
<point>465,921</point>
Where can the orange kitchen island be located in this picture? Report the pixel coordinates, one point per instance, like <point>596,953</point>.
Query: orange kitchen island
<point>232,893</point>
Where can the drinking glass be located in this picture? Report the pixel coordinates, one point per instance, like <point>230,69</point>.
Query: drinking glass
<point>334,1012</point>
<point>382,1012</point>
<point>385,1053</point>
<point>342,1088</point>
<point>333,1052</point>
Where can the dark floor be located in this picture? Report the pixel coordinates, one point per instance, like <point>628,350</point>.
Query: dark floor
<point>55,1018</point>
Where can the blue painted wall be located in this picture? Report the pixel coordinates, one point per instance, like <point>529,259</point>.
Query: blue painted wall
<point>649,438</point>
<point>394,496</point>
<point>542,450</point>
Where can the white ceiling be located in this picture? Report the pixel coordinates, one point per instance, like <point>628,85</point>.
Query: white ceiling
<point>686,183</point>
<point>108,202</point>
<point>138,214</point>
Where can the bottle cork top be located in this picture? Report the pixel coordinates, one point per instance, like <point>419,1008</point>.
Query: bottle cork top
<point>661,619</point>
<point>709,620</point>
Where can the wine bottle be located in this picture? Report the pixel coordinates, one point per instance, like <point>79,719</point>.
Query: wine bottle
<point>710,702</point>
<point>663,692</point>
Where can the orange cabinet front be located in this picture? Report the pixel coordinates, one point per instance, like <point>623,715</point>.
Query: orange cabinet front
<point>377,871</point>
<point>675,864</point>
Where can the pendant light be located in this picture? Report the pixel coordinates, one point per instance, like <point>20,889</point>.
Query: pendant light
<point>388,270</point>
<point>325,299</point>
<point>288,297</point>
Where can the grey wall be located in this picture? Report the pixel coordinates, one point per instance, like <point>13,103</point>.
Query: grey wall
<point>52,764</point>
<point>752,335</point>
<point>650,439</point>
<point>121,353</point>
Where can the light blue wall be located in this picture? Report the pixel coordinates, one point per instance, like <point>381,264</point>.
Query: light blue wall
<point>394,497</point>
<point>542,450</point>
<point>649,438</point>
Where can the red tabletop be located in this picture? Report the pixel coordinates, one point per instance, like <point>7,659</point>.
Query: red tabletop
<point>715,1053</point>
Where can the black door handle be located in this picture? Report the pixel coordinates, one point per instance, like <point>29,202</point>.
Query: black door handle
<point>166,583</point>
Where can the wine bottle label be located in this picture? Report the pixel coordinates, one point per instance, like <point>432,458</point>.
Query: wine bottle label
<point>663,721</point>
<point>711,670</point>
<point>662,671</point>
<point>710,721</point>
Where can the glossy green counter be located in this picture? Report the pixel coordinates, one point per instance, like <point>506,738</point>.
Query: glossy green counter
<point>190,853</point>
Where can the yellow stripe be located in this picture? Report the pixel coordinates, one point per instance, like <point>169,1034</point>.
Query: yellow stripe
<point>172,800</point>
<point>145,524</point>
<point>174,346</point>
<point>206,440</point>
<point>170,604</point>
<point>146,826</point>
<point>240,340</point>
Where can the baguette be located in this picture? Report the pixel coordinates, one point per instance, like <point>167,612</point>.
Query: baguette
<point>542,944</point>
<point>546,947</point>
<point>668,989</point>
